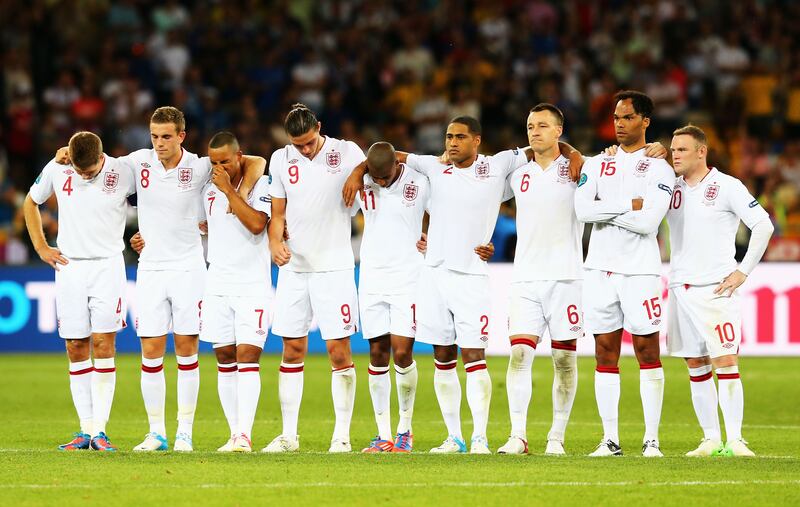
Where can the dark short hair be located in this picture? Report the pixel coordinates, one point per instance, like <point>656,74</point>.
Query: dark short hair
<point>300,120</point>
<point>546,106</point>
<point>473,125</point>
<point>642,104</point>
<point>169,114</point>
<point>85,149</point>
<point>224,138</point>
<point>693,131</point>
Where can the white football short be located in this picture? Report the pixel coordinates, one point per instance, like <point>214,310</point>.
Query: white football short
<point>701,323</point>
<point>169,301</point>
<point>554,305</point>
<point>452,308</point>
<point>387,314</point>
<point>612,301</point>
<point>226,320</point>
<point>330,296</point>
<point>90,297</point>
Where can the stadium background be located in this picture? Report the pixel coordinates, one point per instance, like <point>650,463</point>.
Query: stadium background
<point>731,67</point>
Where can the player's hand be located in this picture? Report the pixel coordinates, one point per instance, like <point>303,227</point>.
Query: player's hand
<point>655,150</point>
<point>730,283</point>
<point>137,243</point>
<point>203,226</point>
<point>575,165</point>
<point>422,244</point>
<point>52,256</point>
<point>62,155</point>
<point>285,232</point>
<point>485,252</point>
<point>222,180</point>
<point>353,185</point>
<point>444,158</point>
<point>611,151</point>
<point>636,204</point>
<point>280,253</point>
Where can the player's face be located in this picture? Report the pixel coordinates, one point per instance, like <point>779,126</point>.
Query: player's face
<point>228,158</point>
<point>385,176</point>
<point>308,143</point>
<point>628,124</point>
<point>543,131</point>
<point>460,144</point>
<point>166,140</point>
<point>687,154</point>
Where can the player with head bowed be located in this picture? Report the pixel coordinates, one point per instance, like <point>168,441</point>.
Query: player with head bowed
<point>704,322</point>
<point>625,197</point>
<point>236,303</point>
<point>92,197</point>
<point>316,276</point>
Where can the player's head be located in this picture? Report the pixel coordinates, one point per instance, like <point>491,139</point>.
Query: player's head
<point>382,162</point>
<point>545,126</point>
<point>86,154</point>
<point>302,127</point>
<point>631,116</point>
<point>167,131</point>
<point>224,152</point>
<point>462,139</point>
<point>689,149</point>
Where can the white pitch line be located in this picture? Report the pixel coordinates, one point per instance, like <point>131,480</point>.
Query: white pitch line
<point>465,484</point>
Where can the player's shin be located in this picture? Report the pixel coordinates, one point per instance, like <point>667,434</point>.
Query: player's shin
<point>104,379</point>
<point>248,390</point>
<point>519,384</point>
<point>704,400</point>
<point>479,395</point>
<point>565,384</point>
<point>343,391</point>
<point>448,393</point>
<point>380,387</point>
<point>80,384</point>
<point>606,392</point>
<point>227,389</point>
<point>154,393</point>
<point>651,389</point>
<point>406,379</point>
<point>188,388</point>
<point>290,394</point>
<point>731,401</point>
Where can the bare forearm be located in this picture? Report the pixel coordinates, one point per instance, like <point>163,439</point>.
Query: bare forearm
<point>33,222</point>
<point>252,219</point>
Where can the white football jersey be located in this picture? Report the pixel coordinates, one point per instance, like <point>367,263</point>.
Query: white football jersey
<point>316,217</point>
<point>239,261</point>
<point>549,235</point>
<point>390,262</point>
<point>703,221</point>
<point>463,206</point>
<point>91,213</point>
<point>168,205</point>
<point>624,241</point>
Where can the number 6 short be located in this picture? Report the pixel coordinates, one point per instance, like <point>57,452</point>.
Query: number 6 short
<point>701,323</point>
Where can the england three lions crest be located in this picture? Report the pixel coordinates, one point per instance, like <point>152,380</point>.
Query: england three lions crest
<point>410,192</point>
<point>482,170</point>
<point>563,171</point>
<point>334,160</point>
<point>184,176</point>
<point>110,182</point>
<point>711,193</point>
<point>641,167</point>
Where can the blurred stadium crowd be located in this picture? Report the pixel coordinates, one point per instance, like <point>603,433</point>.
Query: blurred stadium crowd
<point>398,70</point>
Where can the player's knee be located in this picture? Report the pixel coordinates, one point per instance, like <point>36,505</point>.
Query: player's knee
<point>293,352</point>
<point>340,357</point>
<point>403,356</point>
<point>225,355</point>
<point>472,355</point>
<point>521,355</point>
<point>77,350</point>
<point>103,345</point>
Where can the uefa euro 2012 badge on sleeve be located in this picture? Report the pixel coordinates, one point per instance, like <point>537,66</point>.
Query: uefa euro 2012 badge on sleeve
<point>583,179</point>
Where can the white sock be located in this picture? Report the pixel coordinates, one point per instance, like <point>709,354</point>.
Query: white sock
<point>248,389</point>
<point>606,392</point>
<point>519,384</point>
<point>290,394</point>
<point>80,384</point>
<point>731,400</point>
<point>104,379</point>
<point>479,395</point>
<point>406,379</point>
<point>343,390</point>
<point>704,400</point>
<point>154,392</point>
<point>188,387</point>
<point>448,393</point>
<point>565,384</point>
<point>651,389</point>
<point>226,388</point>
<point>380,386</point>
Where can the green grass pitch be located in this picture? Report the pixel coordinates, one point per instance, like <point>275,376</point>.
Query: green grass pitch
<point>37,414</point>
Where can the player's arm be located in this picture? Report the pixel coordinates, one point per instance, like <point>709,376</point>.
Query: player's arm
<point>653,208</point>
<point>652,150</point>
<point>33,221</point>
<point>588,208</point>
<point>253,168</point>
<point>277,224</point>
<point>355,182</point>
<point>255,221</point>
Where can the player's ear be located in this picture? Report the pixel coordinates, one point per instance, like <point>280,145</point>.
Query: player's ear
<point>319,126</point>
<point>646,122</point>
<point>477,140</point>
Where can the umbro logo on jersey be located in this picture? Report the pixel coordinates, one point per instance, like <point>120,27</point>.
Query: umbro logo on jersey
<point>212,192</point>
<point>68,171</point>
<point>145,165</point>
<point>482,170</point>
<point>711,193</point>
<point>665,188</point>
<point>293,161</point>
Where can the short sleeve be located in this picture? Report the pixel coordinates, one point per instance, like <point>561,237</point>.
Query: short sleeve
<point>261,198</point>
<point>276,188</point>
<point>745,206</point>
<point>42,188</point>
<point>204,165</point>
<point>356,153</point>
<point>510,160</point>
